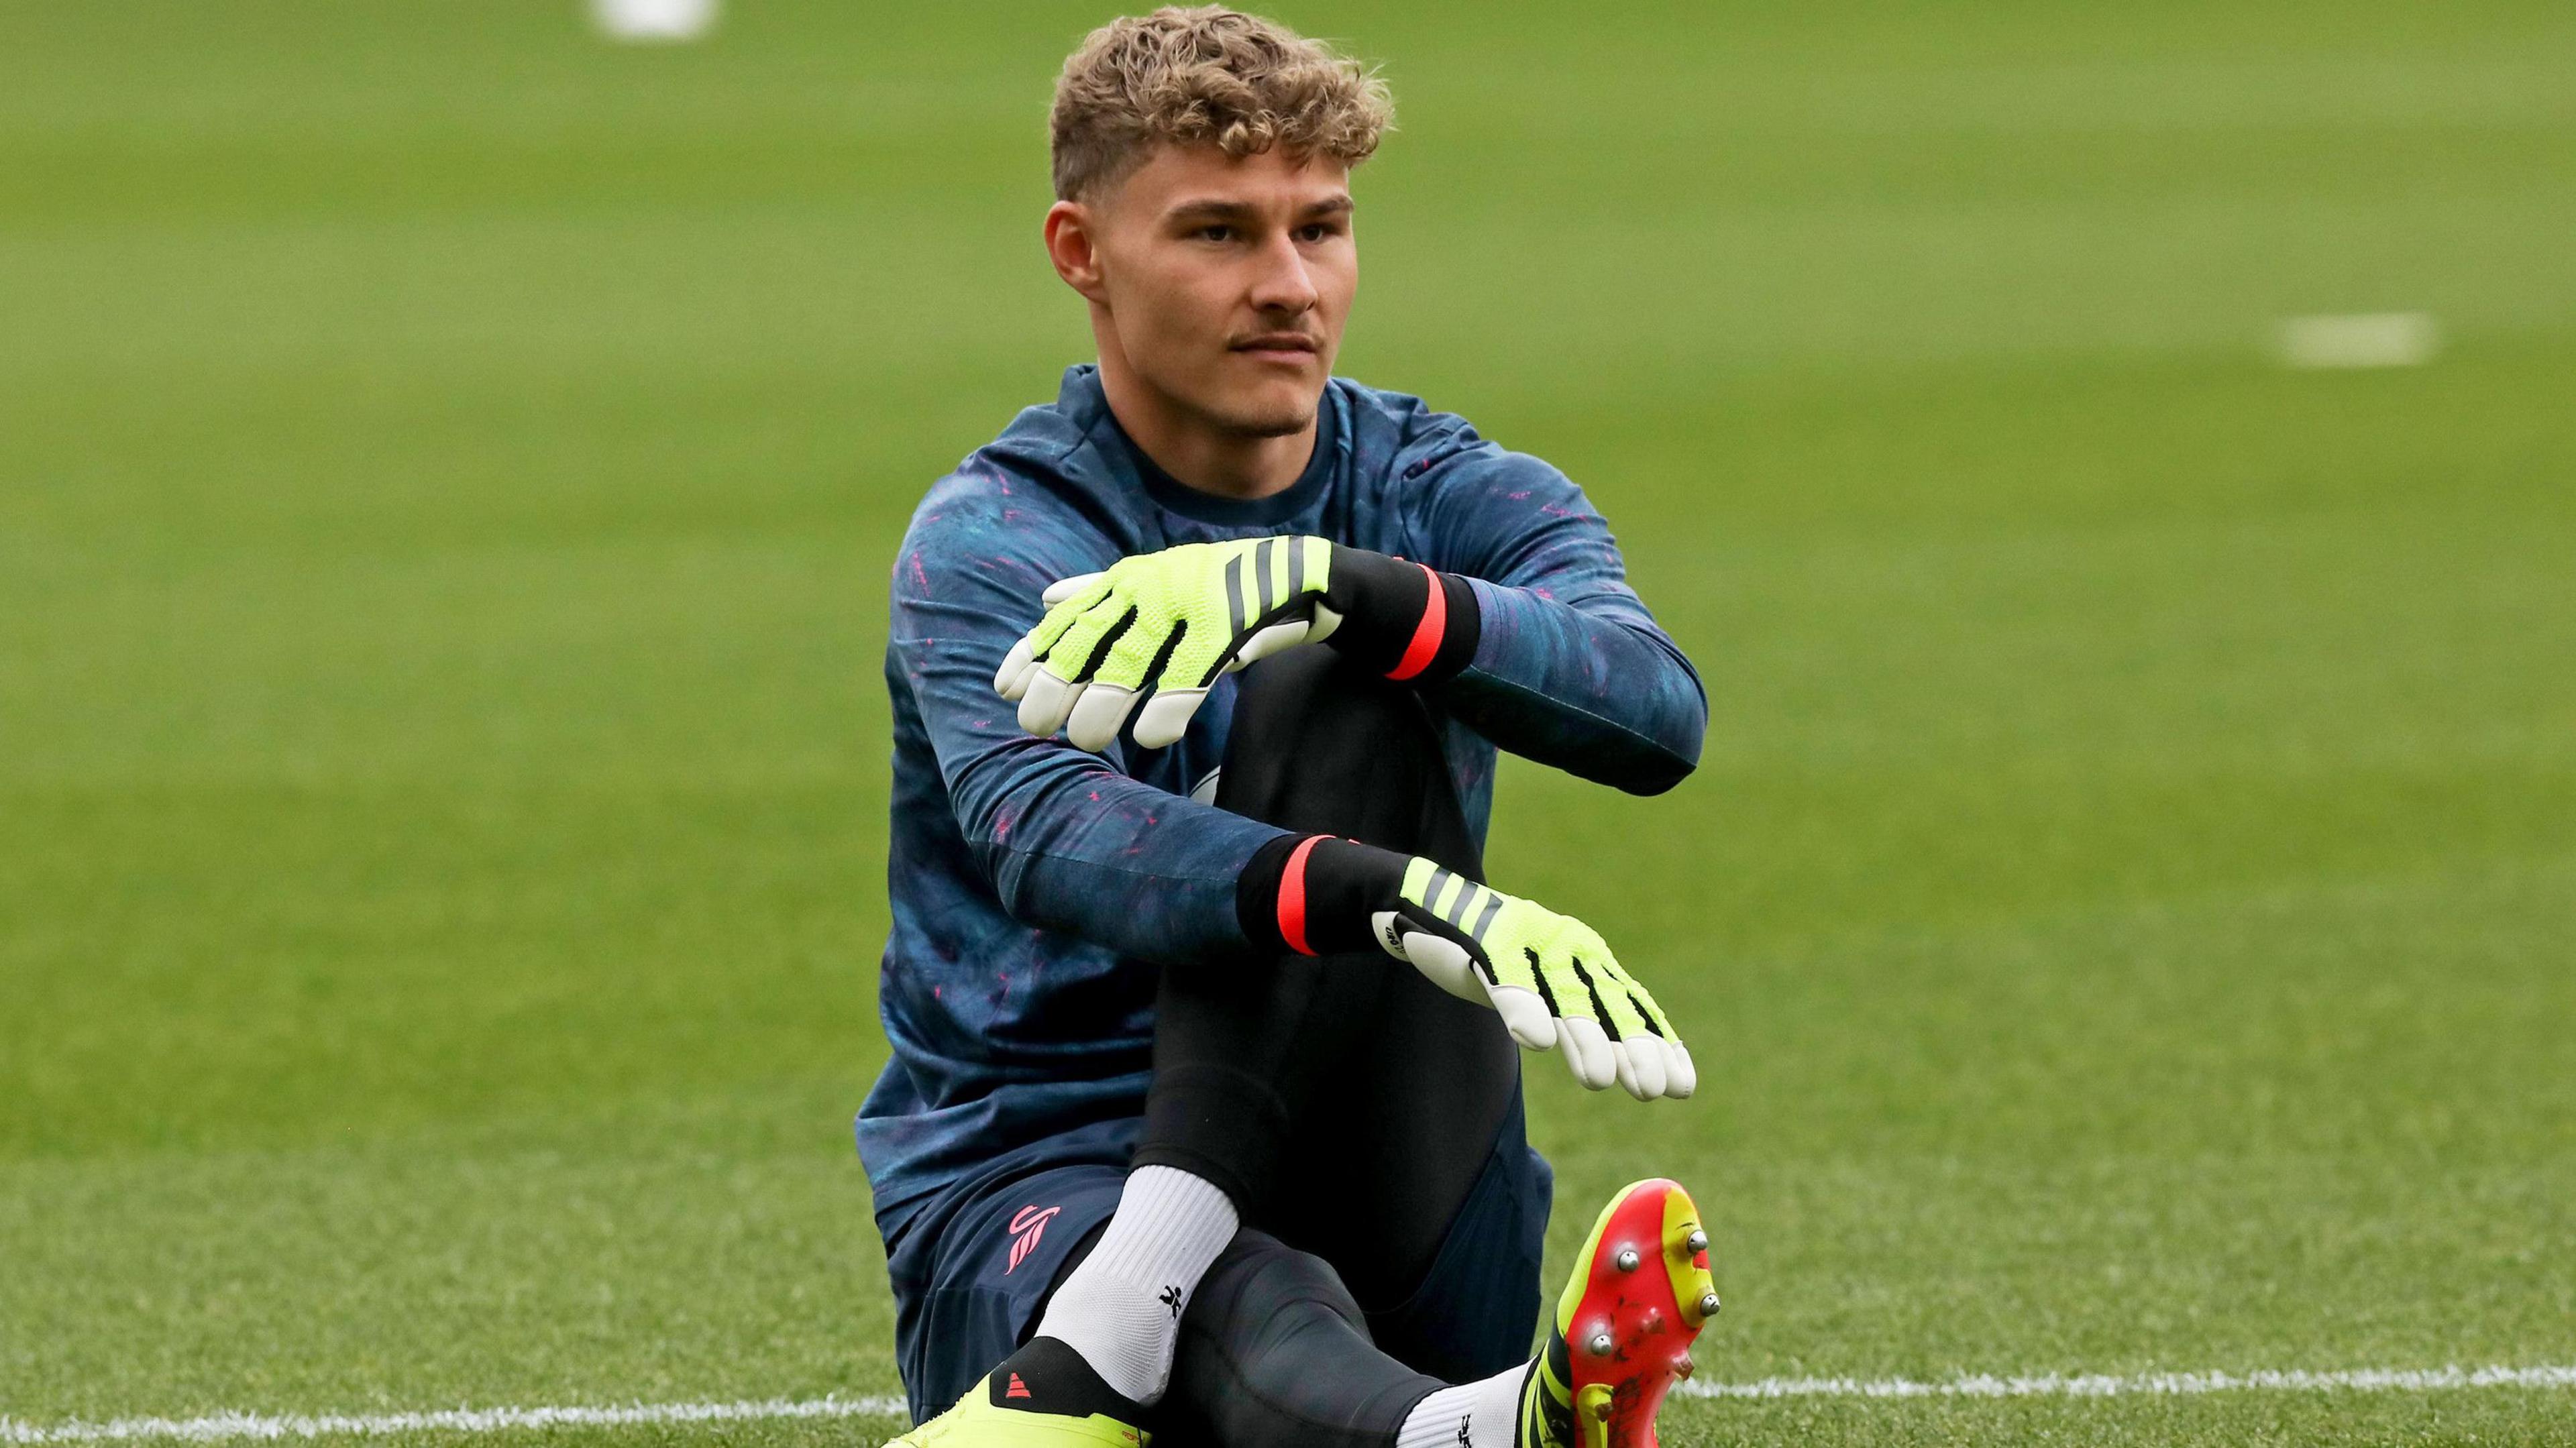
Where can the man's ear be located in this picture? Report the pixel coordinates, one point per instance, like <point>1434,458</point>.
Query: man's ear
<point>1074,249</point>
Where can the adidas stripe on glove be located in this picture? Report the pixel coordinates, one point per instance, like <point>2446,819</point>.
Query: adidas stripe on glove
<point>1550,976</point>
<point>1169,624</point>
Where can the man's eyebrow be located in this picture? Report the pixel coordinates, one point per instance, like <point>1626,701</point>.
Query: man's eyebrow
<point>1210,206</point>
<point>1223,208</point>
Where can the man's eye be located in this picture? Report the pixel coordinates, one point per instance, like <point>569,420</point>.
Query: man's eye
<point>1216,233</point>
<point>1317,232</point>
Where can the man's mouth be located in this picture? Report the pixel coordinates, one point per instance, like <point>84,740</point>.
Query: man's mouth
<point>1279,346</point>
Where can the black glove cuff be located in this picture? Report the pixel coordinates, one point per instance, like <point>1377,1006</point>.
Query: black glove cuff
<point>1410,623</point>
<point>1314,894</point>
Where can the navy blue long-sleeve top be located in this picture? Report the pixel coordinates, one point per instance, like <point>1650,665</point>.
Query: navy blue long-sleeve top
<point>1036,887</point>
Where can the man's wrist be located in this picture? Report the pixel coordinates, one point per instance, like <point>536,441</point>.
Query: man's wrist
<point>1316,894</point>
<point>1400,619</point>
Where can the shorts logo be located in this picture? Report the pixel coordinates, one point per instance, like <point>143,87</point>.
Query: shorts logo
<point>1026,1229</point>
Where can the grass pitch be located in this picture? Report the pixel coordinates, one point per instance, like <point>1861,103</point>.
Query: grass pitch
<point>447,470</point>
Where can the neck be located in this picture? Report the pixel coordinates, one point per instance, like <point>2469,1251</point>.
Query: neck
<point>1198,452</point>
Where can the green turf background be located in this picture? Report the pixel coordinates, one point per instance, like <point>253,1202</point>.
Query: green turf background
<point>2126,918</point>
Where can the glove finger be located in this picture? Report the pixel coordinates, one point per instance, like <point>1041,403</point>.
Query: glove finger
<point>1654,1011</point>
<point>1642,999</point>
<point>1012,679</point>
<point>1061,614</point>
<point>1616,993</point>
<point>1084,648</point>
<point>1166,717</point>
<point>1129,650</point>
<point>1634,1000</point>
<point>1326,620</point>
<point>1267,641</point>
<point>1588,1053</point>
<point>1525,1016</point>
<point>1064,588</point>
<point>1444,962</point>
<point>1097,717</point>
<point>1641,1066</point>
<point>1681,1075</point>
<point>1048,703</point>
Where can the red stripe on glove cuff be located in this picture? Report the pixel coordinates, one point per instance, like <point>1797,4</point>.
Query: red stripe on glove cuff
<point>1427,633</point>
<point>1292,896</point>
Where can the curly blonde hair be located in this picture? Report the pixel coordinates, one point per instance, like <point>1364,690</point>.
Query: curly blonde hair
<point>1213,76</point>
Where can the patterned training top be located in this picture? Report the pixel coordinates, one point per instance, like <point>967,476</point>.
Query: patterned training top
<point>1035,886</point>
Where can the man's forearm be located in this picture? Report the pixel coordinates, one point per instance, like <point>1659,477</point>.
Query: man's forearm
<point>1597,695</point>
<point>1607,698</point>
<point>1072,846</point>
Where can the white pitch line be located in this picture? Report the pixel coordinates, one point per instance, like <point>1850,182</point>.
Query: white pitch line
<point>229,1427</point>
<point>2098,1385</point>
<point>226,1427</point>
<point>2367,339</point>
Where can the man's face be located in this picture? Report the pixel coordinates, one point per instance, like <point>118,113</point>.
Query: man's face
<point>1228,281</point>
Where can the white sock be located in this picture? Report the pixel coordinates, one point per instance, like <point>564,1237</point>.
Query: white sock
<point>1121,1309</point>
<point>1478,1415</point>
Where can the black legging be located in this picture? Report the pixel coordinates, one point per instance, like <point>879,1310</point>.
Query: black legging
<point>1345,1103</point>
<point>1286,1084</point>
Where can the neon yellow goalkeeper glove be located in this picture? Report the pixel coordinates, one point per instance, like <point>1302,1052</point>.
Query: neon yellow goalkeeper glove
<point>1551,977</point>
<point>1171,623</point>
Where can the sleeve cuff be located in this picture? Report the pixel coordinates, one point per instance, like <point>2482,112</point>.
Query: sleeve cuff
<point>1315,894</point>
<point>1401,619</point>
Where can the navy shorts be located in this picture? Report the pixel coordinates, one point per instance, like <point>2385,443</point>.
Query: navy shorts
<point>971,1274</point>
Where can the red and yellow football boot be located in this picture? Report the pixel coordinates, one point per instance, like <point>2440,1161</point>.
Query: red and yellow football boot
<point>1640,1293</point>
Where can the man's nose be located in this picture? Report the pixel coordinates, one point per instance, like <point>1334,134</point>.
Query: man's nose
<point>1283,283</point>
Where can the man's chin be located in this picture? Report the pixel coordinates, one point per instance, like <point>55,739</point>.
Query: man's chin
<point>1253,407</point>
<point>1270,424</point>
<point>1275,415</point>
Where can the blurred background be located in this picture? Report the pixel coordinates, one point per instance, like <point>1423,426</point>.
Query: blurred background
<point>2112,465</point>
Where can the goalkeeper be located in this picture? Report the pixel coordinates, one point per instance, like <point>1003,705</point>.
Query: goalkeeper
<point>1139,1161</point>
